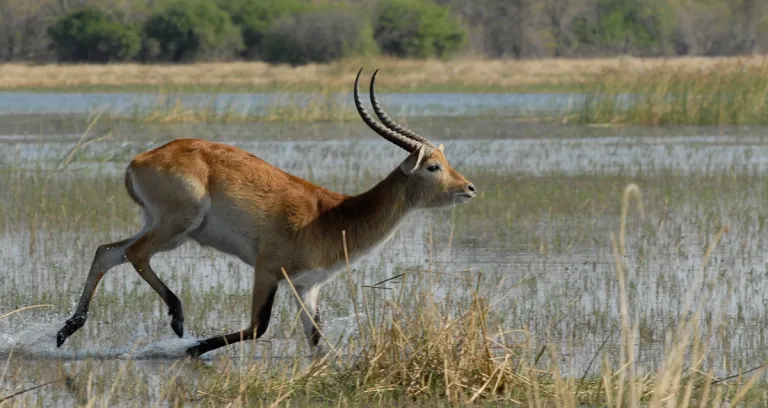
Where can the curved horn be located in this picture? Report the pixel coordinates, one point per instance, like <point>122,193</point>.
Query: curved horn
<point>388,122</point>
<point>394,137</point>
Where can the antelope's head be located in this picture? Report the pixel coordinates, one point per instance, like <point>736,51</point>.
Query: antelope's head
<point>430,180</point>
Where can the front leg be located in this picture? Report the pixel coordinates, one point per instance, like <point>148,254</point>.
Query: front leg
<point>263,296</point>
<point>308,295</point>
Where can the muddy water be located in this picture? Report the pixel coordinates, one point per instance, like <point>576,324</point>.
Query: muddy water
<point>536,244</point>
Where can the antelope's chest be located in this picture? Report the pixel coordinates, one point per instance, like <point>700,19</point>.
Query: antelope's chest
<point>320,276</point>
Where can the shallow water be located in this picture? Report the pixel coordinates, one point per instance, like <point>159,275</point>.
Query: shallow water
<point>535,244</point>
<point>402,104</point>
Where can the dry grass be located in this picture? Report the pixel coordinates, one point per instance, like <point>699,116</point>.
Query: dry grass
<point>439,357</point>
<point>397,74</point>
<point>734,94</point>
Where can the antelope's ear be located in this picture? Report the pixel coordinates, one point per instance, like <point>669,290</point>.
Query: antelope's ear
<point>440,147</point>
<point>419,158</point>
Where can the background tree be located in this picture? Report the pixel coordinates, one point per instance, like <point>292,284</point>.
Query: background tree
<point>626,26</point>
<point>186,30</point>
<point>255,18</point>
<point>417,28</point>
<point>318,36</point>
<point>223,29</point>
<point>90,34</point>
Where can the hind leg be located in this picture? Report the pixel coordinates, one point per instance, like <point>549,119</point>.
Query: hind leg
<point>177,204</point>
<point>139,254</point>
<point>168,233</point>
<point>107,257</point>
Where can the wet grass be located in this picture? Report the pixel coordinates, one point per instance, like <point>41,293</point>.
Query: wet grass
<point>318,107</point>
<point>720,95</point>
<point>529,296</point>
<point>658,97</point>
<point>429,352</point>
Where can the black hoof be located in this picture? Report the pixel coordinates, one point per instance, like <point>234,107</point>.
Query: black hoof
<point>70,327</point>
<point>194,351</point>
<point>61,337</point>
<point>177,322</point>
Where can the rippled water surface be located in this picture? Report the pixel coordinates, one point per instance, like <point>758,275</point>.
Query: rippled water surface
<point>535,244</point>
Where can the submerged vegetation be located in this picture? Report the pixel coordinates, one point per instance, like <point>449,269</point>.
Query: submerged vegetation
<point>628,284</point>
<point>319,107</point>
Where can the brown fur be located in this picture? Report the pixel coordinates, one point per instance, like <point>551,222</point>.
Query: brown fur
<point>295,216</point>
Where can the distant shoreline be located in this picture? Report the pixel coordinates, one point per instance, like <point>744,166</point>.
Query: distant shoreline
<point>396,75</point>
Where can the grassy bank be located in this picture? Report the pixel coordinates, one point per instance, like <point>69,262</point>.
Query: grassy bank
<point>397,75</point>
<point>682,91</point>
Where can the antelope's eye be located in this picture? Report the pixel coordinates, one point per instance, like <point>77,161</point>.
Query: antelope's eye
<point>433,168</point>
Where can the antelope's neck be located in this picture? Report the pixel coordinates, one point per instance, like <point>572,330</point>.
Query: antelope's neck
<point>370,218</point>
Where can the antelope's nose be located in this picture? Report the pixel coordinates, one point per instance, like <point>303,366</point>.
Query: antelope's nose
<point>471,187</point>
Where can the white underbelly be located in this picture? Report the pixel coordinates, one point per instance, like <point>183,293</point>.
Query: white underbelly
<point>226,237</point>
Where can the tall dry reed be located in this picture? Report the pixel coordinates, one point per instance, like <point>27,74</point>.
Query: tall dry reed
<point>722,94</point>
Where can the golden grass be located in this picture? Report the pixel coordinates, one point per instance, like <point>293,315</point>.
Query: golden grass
<point>438,357</point>
<point>397,74</point>
<point>718,95</point>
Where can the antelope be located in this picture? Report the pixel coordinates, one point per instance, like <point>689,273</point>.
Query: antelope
<point>226,198</point>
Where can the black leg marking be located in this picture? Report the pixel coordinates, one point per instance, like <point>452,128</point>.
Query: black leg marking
<point>176,313</point>
<point>213,343</point>
<point>314,338</point>
<point>72,325</point>
<point>138,256</point>
<point>265,314</point>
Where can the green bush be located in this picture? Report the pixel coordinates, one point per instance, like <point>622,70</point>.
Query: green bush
<point>417,28</point>
<point>319,36</point>
<point>626,25</point>
<point>255,18</point>
<point>92,35</point>
<point>188,30</point>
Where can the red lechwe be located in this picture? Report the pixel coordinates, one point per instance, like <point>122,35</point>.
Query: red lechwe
<point>226,198</point>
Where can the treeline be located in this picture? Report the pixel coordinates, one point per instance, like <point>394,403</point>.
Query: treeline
<point>303,31</point>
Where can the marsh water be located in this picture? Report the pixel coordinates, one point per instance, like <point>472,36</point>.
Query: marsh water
<point>397,103</point>
<point>535,244</point>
